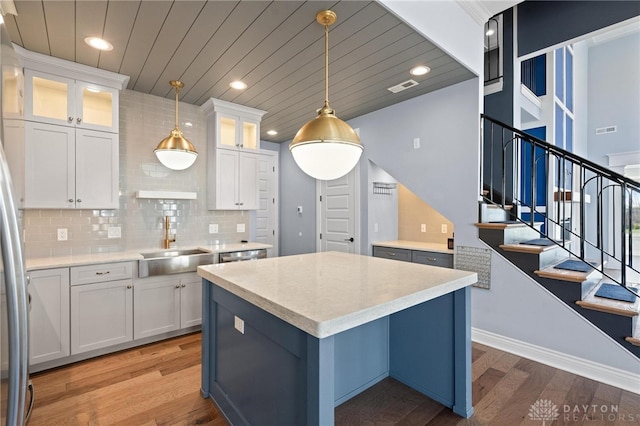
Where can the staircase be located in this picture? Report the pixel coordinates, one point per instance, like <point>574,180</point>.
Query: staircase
<point>567,223</point>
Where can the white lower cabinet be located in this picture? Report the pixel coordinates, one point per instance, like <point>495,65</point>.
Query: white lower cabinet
<point>48,315</point>
<point>101,307</point>
<point>191,301</point>
<point>166,303</point>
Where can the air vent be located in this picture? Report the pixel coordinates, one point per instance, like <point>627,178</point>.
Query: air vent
<point>604,130</point>
<point>403,86</point>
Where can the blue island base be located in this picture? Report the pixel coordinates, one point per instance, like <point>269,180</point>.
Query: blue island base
<point>272,373</point>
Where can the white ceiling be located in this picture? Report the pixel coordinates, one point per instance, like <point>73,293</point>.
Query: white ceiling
<point>276,47</point>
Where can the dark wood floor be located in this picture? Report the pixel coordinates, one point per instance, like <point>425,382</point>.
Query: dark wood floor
<point>159,384</point>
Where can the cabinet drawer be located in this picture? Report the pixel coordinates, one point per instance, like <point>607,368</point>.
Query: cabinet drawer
<point>392,253</point>
<point>101,272</point>
<point>432,258</point>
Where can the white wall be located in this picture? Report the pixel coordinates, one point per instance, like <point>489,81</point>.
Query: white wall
<point>382,211</point>
<point>614,97</point>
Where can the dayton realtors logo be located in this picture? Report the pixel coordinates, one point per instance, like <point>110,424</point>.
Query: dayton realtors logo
<point>546,411</point>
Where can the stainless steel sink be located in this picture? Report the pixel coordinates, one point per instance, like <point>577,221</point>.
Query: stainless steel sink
<point>172,262</point>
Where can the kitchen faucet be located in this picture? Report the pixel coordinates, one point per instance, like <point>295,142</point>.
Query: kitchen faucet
<point>167,240</point>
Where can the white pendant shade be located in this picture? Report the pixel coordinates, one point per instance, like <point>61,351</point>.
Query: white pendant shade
<point>176,160</point>
<point>326,161</point>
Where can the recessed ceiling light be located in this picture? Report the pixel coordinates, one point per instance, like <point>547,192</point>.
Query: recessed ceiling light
<point>272,132</point>
<point>490,32</point>
<point>239,85</point>
<point>188,124</point>
<point>98,43</point>
<point>419,70</point>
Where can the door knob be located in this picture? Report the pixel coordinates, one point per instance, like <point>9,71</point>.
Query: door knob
<point>349,239</point>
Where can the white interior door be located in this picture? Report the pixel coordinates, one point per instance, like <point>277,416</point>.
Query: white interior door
<point>266,230</point>
<point>339,213</point>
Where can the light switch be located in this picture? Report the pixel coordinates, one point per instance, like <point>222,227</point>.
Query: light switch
<point>443,228</point>
<point>240,227</point>
<point>62,234</point>
<point>114,232</point>
<point>238,324</point>
<point>213,228</point>
<point>423,227</point>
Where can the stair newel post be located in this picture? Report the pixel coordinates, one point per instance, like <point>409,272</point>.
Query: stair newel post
<point>563,206</point>
<point>532,177</point>
<point>503,183</point>
<point>482,148</point>
<point>582,210</point>
<point>492,171</point>
<point>623,233</point>
<point>599,217</point>
<point>548,200</point>
<point>630,251</point>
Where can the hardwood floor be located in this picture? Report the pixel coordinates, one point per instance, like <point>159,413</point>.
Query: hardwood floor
<point>159,384</point>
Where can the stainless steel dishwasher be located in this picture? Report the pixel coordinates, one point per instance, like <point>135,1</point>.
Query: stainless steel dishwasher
<point>237,256</point>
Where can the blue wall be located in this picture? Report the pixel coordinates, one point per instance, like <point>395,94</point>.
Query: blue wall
<point>546,23</point>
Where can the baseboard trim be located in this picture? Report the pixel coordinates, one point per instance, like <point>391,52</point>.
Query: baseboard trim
<point>602,373</point>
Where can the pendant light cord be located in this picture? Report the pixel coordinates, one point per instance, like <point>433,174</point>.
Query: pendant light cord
<point>177,90</point>
<point>326,65</point>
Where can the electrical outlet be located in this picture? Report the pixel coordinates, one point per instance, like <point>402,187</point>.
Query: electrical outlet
<point>416,143</point>
<point>238,324</point>
<point>62,234</point>
<point>375,227</point>
<point>443,228</point>
<point>423,227</point>
<point>240,227</point>
<point>213,228</point>
<point>114,232</point>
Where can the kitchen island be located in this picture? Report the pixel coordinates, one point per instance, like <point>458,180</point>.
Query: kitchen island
<point>287,339</point>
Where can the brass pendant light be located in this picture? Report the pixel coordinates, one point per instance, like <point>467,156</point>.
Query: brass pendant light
<point>326,147</point>
<point>175,151</point>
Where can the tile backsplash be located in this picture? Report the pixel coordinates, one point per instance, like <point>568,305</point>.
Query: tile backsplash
<point>144,121</point>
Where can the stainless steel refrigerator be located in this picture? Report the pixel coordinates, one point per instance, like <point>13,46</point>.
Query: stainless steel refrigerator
<point>14,341</point>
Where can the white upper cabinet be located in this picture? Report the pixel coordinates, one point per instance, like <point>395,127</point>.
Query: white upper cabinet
<point>70,168</point>
<point>233,141</point>
<point>64,150</point>
<point>58,100</point>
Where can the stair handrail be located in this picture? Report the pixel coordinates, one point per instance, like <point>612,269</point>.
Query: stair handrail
<point>562,152</point>
<point>564,157</point>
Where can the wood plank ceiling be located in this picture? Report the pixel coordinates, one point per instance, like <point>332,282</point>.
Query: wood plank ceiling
<point>276,47</point>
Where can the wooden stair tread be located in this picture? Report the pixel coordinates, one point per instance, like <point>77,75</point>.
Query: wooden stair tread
<point>628,309</point>
<point>633,340</point>
<point>526,248</point>
<point>566,275</point>
<point>499,225</point>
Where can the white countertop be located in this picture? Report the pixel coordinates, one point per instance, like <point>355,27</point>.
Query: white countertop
<point>127,256</point>
<point>326,293</point>
<point>414,245</point>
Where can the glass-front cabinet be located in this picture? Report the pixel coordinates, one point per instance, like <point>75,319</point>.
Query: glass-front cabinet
<point>237,131</point>
<point>64,101</point>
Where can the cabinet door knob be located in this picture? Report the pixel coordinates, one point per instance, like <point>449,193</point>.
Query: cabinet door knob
<point>78,120</point>
<point>78,200</point>
<point>71,200</point>
<point>70,119</point>
<point>184,285</point>
<point>129,286</point>
<point>177,285</point>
